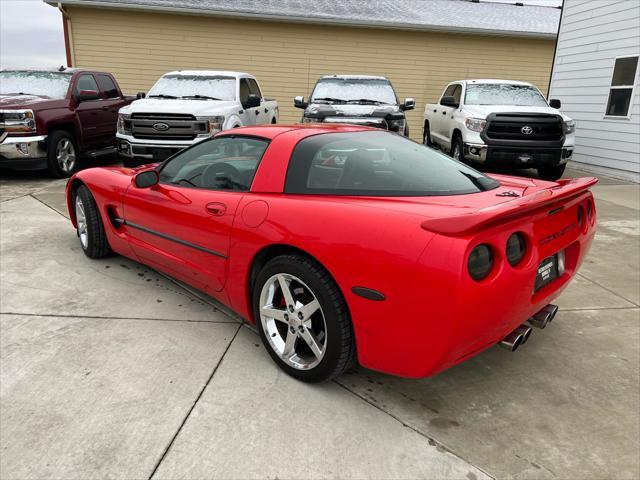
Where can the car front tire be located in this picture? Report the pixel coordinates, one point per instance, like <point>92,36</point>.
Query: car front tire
<point>90,229</point>
<point>62,154</point>
<point>303,319</point>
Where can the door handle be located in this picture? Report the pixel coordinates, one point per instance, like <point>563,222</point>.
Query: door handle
<point>217,209</point>
<point>266,110</point>
<point>105,108</point>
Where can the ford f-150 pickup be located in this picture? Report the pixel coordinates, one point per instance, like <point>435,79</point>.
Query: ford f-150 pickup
<point>356,99</point>
<point>186,107</point>
<point>50,119</point>
<point>501,122</point>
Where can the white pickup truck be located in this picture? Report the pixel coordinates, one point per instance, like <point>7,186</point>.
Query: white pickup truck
<point>501,122</point>
<point>186,107</point>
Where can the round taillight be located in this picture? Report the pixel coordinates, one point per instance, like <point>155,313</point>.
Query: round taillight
<point>580,215</point>
<point>516,248</point>
<point>480,262</point>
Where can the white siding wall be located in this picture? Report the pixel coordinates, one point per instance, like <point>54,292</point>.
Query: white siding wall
<point>592,34</point>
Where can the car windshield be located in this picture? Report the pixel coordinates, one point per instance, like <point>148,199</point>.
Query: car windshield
<point>503,94</point>
<point>377,164</point>
<point>195,86</point>
<point>353,90</point>
<point>52,85</point>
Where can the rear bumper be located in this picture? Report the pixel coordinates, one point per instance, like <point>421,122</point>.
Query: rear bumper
<point>24,153</point>
<point>441,317</point>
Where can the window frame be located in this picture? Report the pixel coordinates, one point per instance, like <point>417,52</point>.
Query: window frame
<point>162,165</point>
<point>620,87</point>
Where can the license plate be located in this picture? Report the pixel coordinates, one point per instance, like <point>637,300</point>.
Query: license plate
<point>547,272</point>
<point>161,153</point>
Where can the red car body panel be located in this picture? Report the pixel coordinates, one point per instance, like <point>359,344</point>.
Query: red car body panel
<point>412,249</point>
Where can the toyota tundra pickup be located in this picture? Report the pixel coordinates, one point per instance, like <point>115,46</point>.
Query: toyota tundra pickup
<point>53,119</point>
<point>501,122</point>
<point>186,107</point>
<point>356,99</point>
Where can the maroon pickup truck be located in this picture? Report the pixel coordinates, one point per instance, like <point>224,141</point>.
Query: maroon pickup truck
<point>50,119</point>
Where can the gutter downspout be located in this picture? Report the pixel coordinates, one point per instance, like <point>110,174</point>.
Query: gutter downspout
<point>66,26</point>
<point>555,50</point>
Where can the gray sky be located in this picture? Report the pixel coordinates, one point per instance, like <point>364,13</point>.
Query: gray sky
<point>31,33</point>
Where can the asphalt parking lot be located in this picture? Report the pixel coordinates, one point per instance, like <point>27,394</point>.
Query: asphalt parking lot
<point>110,370</point>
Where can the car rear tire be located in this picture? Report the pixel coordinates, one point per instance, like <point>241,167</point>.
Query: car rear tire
<point>62,154</point>
<point>551,173</point>
<point>303,319</point>
<point>90,229</point>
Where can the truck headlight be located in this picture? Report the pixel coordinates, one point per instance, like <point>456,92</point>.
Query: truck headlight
<point>397,125</point>
<point>311,120</point>
<point>569,126</point>
<point>124,124</point>
<point>19,121</point>
<point>212,125</point>
<point>475,124</point>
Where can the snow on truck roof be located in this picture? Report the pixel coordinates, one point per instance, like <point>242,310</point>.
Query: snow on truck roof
<point>355,77</point>
<point>209,73</point>
<point>494,80</point>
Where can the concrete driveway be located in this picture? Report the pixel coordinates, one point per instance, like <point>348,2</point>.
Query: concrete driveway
<point>110,370</point>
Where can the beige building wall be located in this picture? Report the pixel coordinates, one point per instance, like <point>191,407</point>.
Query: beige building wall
<point>287,58</point>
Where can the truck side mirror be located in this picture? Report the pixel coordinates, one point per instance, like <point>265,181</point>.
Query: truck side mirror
<point>252,101</point>
<point>408,104</point>
<point>85,95</point>
<point>555,103</point>
<point>299,102</point>
<point>448,101</point>
<point>140,95</point>
<point>146,178</point>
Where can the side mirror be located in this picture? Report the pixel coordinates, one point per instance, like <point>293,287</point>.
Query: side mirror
<point>448,101</point>
<point>85,95</point>
<point>299,102</point>
<point>146,178</point>
<point>140,95</point>
<point>555,103</point>
<point>408,104</point>
<point>253,101</point>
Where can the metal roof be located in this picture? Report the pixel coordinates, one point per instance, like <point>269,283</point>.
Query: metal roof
<point>463,16</point>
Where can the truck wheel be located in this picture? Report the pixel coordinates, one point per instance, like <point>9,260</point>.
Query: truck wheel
<point>426,135</point>
<point>62,154</point>
<point>90,229</point>
<point>457,149</point>
<point>551,173</point>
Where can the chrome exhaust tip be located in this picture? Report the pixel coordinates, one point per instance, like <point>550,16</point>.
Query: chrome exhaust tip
<point>525,332</point>
<point>544,316</point>
<point>512,341</point>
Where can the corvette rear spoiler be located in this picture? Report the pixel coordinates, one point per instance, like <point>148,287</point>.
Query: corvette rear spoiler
<point>460,225</point>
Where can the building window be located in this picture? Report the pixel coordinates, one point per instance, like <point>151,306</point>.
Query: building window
<point>621,91</point>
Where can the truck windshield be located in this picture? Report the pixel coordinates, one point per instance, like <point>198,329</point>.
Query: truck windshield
<point>503,94</point>
<point>195,86</point>
<point>354,90</point>
<point>378,164</point>
<point>52,85</point>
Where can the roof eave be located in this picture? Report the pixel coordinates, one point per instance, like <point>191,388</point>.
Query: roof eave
<point>305,20</point>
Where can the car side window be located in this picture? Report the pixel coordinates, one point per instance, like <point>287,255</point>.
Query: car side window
<point>449,91</point>
<point>225,163</point>
<point>107,87</point>
<point>244,90</point>
<point>254,88</point>
<point>457,92</point>
<point>86,82</point>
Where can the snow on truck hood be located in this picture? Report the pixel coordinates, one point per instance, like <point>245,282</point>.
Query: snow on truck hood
<point>482,111</point>
<point>198,108</point>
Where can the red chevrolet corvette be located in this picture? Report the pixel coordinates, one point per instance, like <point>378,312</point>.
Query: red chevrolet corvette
<point>341,242</point>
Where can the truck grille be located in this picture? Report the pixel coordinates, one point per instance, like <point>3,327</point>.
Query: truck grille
<point>515,126</point>
<point>166,126</point>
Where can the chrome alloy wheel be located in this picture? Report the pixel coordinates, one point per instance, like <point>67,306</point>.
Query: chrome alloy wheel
<point>66,155</point>
<point>81,220</point>
<point>293,321</point>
